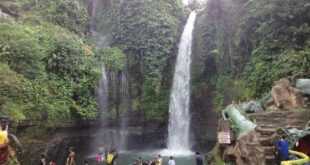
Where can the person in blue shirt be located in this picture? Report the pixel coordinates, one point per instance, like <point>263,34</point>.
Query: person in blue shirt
<point>282,147</point>
<point>199,159</point>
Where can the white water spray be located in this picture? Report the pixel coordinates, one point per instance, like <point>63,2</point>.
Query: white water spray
<point>103,91</point>
<point>179,119</point>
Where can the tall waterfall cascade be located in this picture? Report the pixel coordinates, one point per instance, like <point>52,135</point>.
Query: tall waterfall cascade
<point>110,85</point>
<point>179,116</point>
<point>103,91</point>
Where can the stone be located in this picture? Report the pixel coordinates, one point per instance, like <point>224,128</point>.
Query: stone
<point>303,85</point>
<point>285,96</point>
<point>3,15</point>
<point>246,151</point>
<point>251,107</point>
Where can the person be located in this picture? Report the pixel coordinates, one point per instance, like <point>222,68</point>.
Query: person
<point>159,160</point>
<point>115,156</point>
<point>146,162</point>
<point>153,162</point>
<point>135,162</point>
<point>43,160</point>
<point>4,133</point>
<point>102,151</point>
<point>86,162</point>
<point>140,161</point>
<point>4,142</point>
<point>282,147</point>
<point>100,158</point>
<point>199,159</point>
<point>111,157</point>
<point>52,162</point>
<point>171,161</point>
<point>71,157</point>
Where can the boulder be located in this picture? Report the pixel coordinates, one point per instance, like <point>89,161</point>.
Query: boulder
<point>246,151</point>
<point>251,107</point>
<point>3,15</point>
<point>285,96</point>
<point>9,8</point>
<point>303,85</point>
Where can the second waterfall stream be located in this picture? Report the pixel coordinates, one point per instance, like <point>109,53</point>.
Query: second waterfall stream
<point>178,142</point>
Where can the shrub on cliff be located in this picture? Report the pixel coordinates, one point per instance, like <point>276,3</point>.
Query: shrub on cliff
<point>53,73</point>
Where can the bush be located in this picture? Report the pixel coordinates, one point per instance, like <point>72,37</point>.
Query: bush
<point>20,49</point>
<point>113,58</point>
<point>70,14</point>
<point>47,74</point>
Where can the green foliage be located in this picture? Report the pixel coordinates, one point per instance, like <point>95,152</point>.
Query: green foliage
<point>147,32</point>
<point>155,101</point>
<point>113,58</point>
<point>228,89</point>
<point>21,49</point>
<point>265,69</point>
<point>60,69</point>
<point>139,24</point>
<point>282,41</point>
<point>11,87</point>
<point>47,73</point>
<point>70,14</point>
<point>255,43</point>
<point>68,59</point>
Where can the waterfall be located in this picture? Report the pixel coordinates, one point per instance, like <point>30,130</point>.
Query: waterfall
<point>92,12</point>
<point>179,115</point>
<point>103,91</point>
<point>103,88</point>
<point>125,104</point>
<point>112,91</point>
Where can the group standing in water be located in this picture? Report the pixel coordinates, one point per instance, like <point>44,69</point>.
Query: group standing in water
<point>106,157</point>
<point>156,161</point>
<point>159,161</point>
<point>102,158</point>
<point>109,158</point>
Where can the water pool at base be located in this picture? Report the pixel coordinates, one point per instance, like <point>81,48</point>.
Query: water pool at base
<point>129,157</point>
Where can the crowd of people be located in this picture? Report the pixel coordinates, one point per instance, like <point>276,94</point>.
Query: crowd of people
<point>156,161</point>
<point>104,157</point>
<point>107,157</point>
<point>171,161</point>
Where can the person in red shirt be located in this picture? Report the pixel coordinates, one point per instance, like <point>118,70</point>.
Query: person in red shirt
<point>52,162</point>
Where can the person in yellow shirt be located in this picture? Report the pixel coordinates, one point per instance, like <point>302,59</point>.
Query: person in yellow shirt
<point>159,160</point>
<point>111,157</point>
<point>4,140</point>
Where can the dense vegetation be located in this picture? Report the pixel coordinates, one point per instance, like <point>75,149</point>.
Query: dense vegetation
<point>50,68</point>
<point>147,32</point>
<point>48,71</point>
<point>252,44</point>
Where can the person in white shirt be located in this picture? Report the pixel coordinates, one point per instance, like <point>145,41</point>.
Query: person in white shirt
<point>171,161</point>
